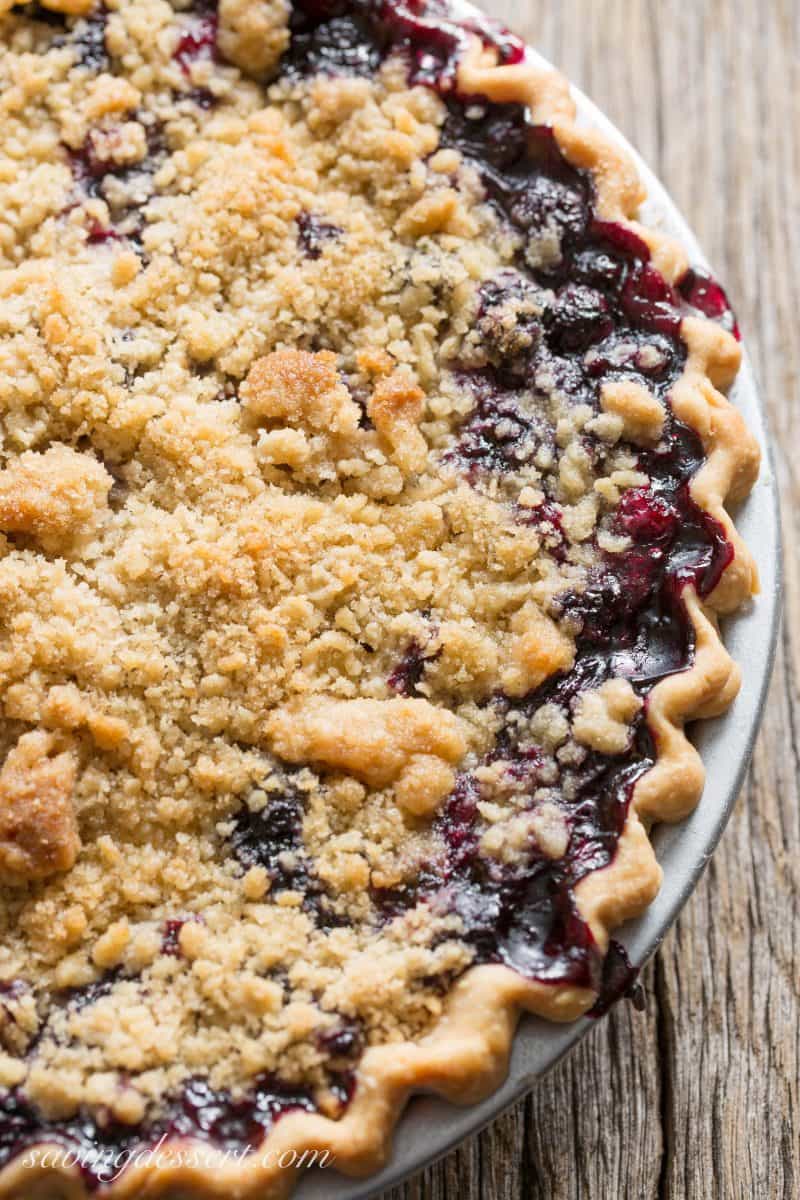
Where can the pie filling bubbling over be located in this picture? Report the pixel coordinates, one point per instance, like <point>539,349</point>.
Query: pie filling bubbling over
<point>448,755</point>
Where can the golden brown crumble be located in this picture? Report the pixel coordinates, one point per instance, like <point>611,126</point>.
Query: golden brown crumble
<point>603,716</point>
<point>408,743</point>
<point>53,495</point>
<point>38,834</point>
<point>639,413</point>
<point>253,34</point>
<point>221,540</point>
<point>396,407</point>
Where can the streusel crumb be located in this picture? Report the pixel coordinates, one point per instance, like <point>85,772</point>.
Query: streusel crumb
<point>38,833</point>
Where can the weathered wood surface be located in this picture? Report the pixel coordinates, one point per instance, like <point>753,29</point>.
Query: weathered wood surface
<point>698,1098</point>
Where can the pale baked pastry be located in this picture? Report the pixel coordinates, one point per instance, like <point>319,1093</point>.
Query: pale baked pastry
<point>363,541</point>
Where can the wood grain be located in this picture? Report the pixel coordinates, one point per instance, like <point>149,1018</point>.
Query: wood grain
<point>698,1098</point>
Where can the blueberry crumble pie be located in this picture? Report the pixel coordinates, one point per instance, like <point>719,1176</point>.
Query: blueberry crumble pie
<point>363,465</point>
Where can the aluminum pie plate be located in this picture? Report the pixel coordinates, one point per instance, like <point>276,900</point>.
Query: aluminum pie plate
<point>431,1127</point>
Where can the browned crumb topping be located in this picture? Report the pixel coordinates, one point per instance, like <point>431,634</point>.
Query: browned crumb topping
<point>38,835</point>
<point>53,496</point>
<point>219,540</point>
<point>378,741</point>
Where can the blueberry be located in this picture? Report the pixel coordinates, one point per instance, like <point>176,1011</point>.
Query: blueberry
<point>410,671</point>
<point>508,327</point>
<point>273,838</point>
<point>546,204</point>
<point>579,318</point>
<point>339,46</point>
<point>345,1040</point>
<point>703,294</point>
<point>646,516</point>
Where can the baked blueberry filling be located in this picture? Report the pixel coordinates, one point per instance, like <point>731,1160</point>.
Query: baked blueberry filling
<point>345,37</point>
<point>420,652</point>
<point>102,1150</point>
<point>88,993</point>
<point>705,295</point>
<point>331,40</point>
<point>620,979</point>
<point>124,188</point>
<point>608,314</point>
<point>343,1043</point>
<point>588,308</point>
<point>634,626</point>
<point>272,837</point>
<point>410,671</point>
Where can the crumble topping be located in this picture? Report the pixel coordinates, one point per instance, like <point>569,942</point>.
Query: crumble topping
<point>52,495</point>
<point>378,741</point>
<point>638,415</point>
<point>603,717</point>
<point>338,491</point>
<point>38,834</point>
<point>253,34</point>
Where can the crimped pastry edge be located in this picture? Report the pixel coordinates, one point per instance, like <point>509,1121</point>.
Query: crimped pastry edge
<point>465,1056</point>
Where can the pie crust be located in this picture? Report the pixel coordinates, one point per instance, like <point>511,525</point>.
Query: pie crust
<point>464,1056</point>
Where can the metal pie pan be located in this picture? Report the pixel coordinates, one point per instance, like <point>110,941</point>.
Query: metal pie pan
<point>431,1127</point>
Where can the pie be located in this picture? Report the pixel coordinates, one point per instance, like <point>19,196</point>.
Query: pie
<point>363,540</point>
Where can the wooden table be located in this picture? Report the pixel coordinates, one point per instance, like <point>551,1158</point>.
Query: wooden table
<point>699,1096</point>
